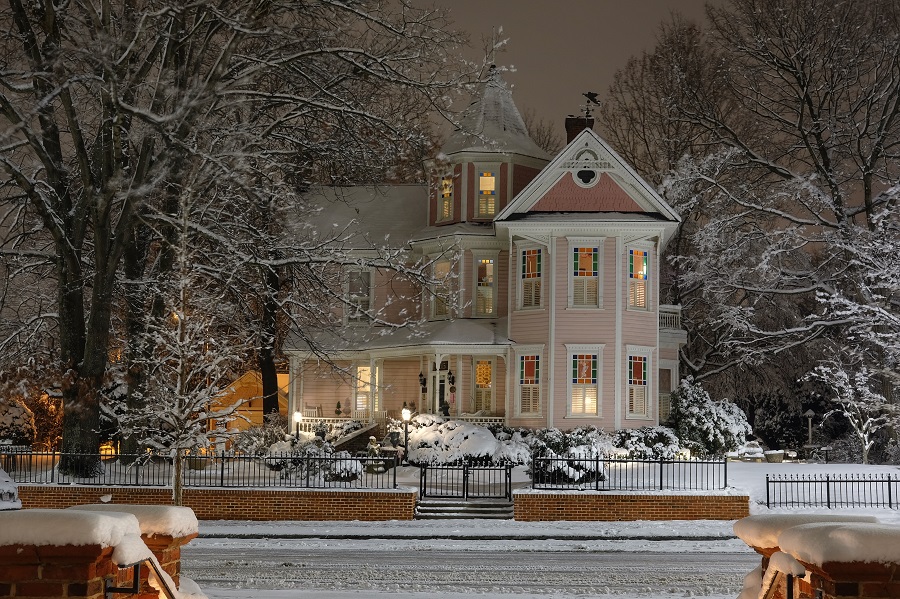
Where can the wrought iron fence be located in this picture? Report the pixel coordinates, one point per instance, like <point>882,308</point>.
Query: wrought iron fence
<point>466,481</point>
<point>209,470</point>
<point>833,490</point>
<point>601,473</point>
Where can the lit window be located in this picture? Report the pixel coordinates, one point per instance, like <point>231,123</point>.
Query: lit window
<point>359,296</point>
<point>363,387</point>
<point>487,194</point>
<point>441,292</point>
<point>585,277</point>
<point>484,287</point>
<point>584,385</point>
<point>445,203</point>
<point>529,385</point>
<point>483,385</point>
<point>531,278</point>
<point>637,386</point>
<point>637,279</point>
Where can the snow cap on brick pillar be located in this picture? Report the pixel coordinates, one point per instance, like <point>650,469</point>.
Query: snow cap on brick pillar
<point>577,124</point>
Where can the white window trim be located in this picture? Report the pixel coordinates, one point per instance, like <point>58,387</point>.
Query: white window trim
<point>649,282</point>
<point>493,167</point>
<point>520,249</point>
<point>647,352</point>
<point>432,303</point>
<point>440,198</point>
<point>493,362</point>
<point>356,382</point>
<point>346,319</point>
<point>572,350</point>
<point>529,350</point>
<point>575,242</point>
<point>482,255</point>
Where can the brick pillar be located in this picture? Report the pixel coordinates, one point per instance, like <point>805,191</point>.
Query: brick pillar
<point>168,552</point>
<point>57,571</point>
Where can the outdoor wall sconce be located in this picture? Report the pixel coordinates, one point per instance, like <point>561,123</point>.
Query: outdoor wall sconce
<point>450,378</point>
<point>423,382</point>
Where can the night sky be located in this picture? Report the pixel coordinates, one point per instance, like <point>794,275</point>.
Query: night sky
<point>563,48</point>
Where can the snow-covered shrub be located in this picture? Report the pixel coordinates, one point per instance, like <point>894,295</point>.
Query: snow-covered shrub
<point>336,431</point>
<point>257,439</point>
<point>569,457</point>
<point>344,467</point>
<point>707,428</point>
<point>16,421</point>
<point>648,443</point>
<point>435,441</point>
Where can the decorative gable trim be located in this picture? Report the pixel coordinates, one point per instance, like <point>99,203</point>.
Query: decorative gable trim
<point>586,154</point>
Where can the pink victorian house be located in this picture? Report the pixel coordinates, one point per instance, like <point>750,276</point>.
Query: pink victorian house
<point>548,314</point>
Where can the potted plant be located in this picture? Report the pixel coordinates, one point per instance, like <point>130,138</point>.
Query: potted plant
<point>394,429</point>
<point>321,429</point>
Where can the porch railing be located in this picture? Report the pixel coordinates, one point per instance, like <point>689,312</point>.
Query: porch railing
<point>669,317</point>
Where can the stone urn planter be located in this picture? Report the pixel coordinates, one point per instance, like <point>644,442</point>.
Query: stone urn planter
<point>774,456</point>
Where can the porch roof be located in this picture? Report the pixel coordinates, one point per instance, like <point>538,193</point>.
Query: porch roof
<point>453,336</point>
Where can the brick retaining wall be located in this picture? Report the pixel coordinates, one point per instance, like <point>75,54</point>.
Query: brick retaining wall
<point>530,506</point>
<point>239,504</point>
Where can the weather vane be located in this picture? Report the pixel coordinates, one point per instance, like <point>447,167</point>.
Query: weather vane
<point>591,101</point>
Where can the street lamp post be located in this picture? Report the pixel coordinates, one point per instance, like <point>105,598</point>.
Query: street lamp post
<point>406,414</point>
<point>809,416</point>
<point>298,416</point>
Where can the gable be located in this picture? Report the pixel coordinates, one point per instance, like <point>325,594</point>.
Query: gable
<point>568,196</point>
<point>588,176</point>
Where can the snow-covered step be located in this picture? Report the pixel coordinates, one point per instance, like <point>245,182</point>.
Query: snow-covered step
<point>452,508</point>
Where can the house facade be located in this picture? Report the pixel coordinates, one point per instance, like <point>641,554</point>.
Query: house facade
<point>543,308</point>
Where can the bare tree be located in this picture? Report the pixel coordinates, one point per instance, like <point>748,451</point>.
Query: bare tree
<point>106,106</point>
<point>793,129</point>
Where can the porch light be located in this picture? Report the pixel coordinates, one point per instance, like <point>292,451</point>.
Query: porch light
<point>423,382</point>
<point>298,416</point>
<point>450,378</point>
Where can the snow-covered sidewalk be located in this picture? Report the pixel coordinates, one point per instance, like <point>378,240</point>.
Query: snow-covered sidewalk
<point>471,530</point>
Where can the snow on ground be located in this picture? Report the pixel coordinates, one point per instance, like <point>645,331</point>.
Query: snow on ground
<point>509,538</point>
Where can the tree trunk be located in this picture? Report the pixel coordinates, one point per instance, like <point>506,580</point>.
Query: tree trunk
<point>267,368</point>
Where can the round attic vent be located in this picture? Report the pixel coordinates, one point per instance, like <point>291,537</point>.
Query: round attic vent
<point>584,173</point>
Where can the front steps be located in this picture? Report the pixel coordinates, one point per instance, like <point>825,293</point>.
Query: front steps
<point>445,509</point>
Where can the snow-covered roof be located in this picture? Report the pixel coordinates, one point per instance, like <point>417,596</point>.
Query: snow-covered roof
<point>457,332</point>
<point>369,215</point>
<point>492,123</point>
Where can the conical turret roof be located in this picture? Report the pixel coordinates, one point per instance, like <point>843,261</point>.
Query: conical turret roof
<point>493,124</point>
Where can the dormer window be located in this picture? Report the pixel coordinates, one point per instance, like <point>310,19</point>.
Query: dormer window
<point>445,201</point>
<point>487,194</point>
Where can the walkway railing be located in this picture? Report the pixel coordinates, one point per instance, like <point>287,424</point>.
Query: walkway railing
<point>211,470</point>
<point>833,490</point>
<point>601,473</point>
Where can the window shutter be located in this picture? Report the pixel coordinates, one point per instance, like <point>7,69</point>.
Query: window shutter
<point>531,293</point>
<point>531,399</point>
<point>637,400</point>
<point>637,294</point>
<point>584,291</point>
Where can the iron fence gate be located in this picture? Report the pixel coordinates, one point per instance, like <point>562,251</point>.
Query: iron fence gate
<point>465,481</point>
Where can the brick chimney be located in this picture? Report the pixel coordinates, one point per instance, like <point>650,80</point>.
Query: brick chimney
<point>577,124</point>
